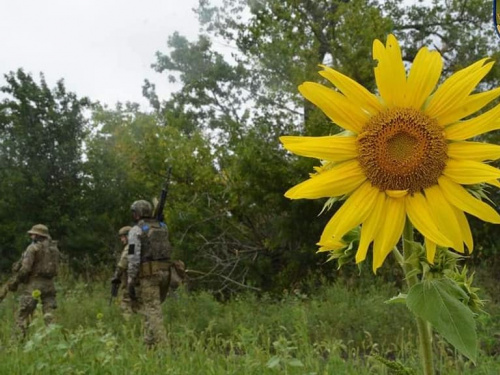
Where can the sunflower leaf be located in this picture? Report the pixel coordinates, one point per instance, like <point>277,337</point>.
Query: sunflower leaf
<point>400,298</point>
<point>439,301</point>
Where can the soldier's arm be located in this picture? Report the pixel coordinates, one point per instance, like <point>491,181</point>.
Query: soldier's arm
<point>123,262</point>
<point>27,261</point>
<point>121,266</point>
<point>134,254</point>
<point>16,266</point>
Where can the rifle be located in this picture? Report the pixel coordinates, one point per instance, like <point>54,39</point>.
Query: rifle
<point>163,197</point>
<point>114,292</point>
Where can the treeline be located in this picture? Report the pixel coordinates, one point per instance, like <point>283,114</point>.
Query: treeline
<point>77,166</point>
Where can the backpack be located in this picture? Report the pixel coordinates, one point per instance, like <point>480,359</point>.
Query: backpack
<point>48,260</point>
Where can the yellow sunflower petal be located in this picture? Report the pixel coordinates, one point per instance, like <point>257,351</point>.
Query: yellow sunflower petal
<point>465,228</point>
<point>353,90</point>
<point>449,97</point>
<point>471,105</point>
<point>353,212</point>
<point>423,77</point>
<point>468,172</point>
<point>461,199</point>
<point>420,215</point>
<point>331,148</point>
<point>370,227</point>
<point>494,183</point>
<point>396,193</point>
<point>390,230</point>
<point>339,180</point>
<point>331,245</point>
<point>484,123</point>
<point>476,151</point>
<point>335,105</point>
<point>430,250</point>
<point>390,73</point>
<point>445,217</point>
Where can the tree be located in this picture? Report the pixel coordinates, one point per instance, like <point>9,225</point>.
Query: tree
<point>41,133</point>
<point>461,30</point>
<point>128,155</point>
<point>246,101</point>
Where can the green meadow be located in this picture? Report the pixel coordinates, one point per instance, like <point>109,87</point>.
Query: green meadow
<point>340,328</point>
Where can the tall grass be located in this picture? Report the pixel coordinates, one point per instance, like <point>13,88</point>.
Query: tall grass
<point>338,330</point>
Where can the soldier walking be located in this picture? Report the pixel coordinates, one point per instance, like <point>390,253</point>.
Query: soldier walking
<point>36,270</point>
<point>148,269</point>
<point>120,276</point>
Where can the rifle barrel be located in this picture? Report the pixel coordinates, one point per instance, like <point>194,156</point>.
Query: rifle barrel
<point>163,196</point>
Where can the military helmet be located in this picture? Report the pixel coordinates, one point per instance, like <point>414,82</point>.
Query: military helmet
<point>142,208</point>
<point>40,230</point>
<point>124,230</point>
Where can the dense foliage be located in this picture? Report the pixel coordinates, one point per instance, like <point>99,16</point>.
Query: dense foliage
<point>41,136</point>
<point>77,166</point>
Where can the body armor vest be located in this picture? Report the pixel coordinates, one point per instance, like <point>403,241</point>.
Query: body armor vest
<point>155,245</point>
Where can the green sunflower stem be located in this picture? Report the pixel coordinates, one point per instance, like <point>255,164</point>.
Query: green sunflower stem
<point>424,330</point>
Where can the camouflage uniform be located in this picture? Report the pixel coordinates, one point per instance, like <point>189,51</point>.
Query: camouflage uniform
<point>127,306</point>
<point>37,269</point>
<point>148,264</point>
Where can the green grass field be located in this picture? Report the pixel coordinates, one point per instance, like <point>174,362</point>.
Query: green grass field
<point>337,330</point>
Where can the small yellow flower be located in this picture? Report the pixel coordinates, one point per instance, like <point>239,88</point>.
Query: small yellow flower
<point>99,316</point>
<point>407,154</point>
<point>36,294</point>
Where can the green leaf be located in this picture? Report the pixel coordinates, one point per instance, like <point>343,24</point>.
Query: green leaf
<point>294,362</point>
<point>395,367</point>
<point>273,362</point>
<point>400,298</point>
<point>438,302</point>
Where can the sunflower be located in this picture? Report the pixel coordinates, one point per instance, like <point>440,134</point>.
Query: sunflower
<point>405,154</point>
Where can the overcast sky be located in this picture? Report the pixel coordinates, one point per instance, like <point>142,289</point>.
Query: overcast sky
<point>102,49</point>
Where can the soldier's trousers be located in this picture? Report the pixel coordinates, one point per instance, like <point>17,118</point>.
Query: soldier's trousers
<point>150,308</point>
<point>28,304</point>
<point>127,305</point>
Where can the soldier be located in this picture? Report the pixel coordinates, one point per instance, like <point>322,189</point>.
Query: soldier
<point>120,276</point>
<point>148,269</point>
<point>36,271</point>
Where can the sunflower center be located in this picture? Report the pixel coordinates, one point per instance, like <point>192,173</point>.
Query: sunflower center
<point>401,146</point>
<point>402,149</point>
